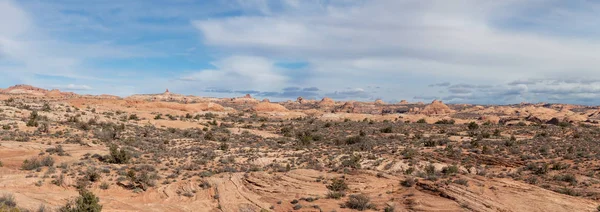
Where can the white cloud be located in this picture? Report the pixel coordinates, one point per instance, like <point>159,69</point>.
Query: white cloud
<point>28,49</point>
<point>240,72</point>
<point>73,87</point>
<point>397,38</point>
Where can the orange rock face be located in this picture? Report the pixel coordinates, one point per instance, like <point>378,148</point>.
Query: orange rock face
<point>269,107</point>
<point>436,108</point>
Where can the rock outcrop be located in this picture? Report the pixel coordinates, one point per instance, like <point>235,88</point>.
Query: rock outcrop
<point>326,102</point>
<point>269,107</point>
<point>436,108</point>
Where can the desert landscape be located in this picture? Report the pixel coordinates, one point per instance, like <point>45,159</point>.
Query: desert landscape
<point>61,151</point>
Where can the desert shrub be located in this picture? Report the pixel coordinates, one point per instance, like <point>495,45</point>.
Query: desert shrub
<point>566,178</point>
<point>359,202</point>
<point>352,162</point>
<point>43,128</point>
<point>59,181</point>
<point>497,133</point>
<point>34,163</point>
<point>56,150</point>
<point>560,166</point>
<point>462,182</point>
<point>473,126</point>
<point>337,184</point>
<point>386,130</point>
<point>430,143</point>
<point>335,195</point>
<point>205,185</point>
<point>134,117</point>
<point>8,200</point>
<point>445,121</point>
<point>42,208</point>
<point>353,140</point>
<point>47,161</point>
<point>86,202</point>
<point>408,182</point>
<point>541,169</point>
<point>409,153</point>
<point>33,119</point>
<point>389,208</point>
<point>46,107</point>
<point>337,188</point>
<point>104,186</point>
<point>117,156</point>
<point>422,121</point>
<point>92,175</point>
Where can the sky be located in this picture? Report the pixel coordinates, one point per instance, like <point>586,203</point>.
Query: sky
<point>457,51</point>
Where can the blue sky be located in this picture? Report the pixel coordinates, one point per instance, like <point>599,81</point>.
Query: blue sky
<point>461,51</point>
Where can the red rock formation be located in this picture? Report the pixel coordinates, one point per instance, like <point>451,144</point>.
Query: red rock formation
<point>269,107</point>
<point>436,108</point>
<point>326,102</point>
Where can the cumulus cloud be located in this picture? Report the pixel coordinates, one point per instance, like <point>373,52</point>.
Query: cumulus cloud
<point>73,87</point>
<point>284,94</point>
<point>356,93</point>
<point>443,84</point>
<point>469,41</point>
<point>584,91</point>
<point>239,72</point>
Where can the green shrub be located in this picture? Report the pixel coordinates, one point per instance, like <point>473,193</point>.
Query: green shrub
<point>104,186</point>
<point>117,156</point>
<point>8,200</point>
<point>359,202</point>
<point>352,162</point>
<point>473,126</point>
<point>450,170</point>
<point>338,184</point>
<point>92,175</point>
<point>86,202</point>
<point>335,195</point>
<point>408,182</point>
<point>133,117</point>
<point>34,163</point>
<point>386,130</point>
<point>444,121</point>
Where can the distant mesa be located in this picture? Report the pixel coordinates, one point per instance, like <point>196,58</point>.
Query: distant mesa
<point>247,96</point>
<point>167,92</point>
<point>379,102</point>
<point>403,102</point>
<point>35,91</point>
<point>266,100</point>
